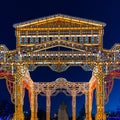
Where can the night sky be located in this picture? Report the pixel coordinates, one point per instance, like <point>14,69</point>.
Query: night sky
<point>15,11</point>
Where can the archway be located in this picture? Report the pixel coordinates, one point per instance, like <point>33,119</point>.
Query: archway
<point>60,85</point>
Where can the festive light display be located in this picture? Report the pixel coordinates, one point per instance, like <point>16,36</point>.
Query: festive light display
<point>83,39</point>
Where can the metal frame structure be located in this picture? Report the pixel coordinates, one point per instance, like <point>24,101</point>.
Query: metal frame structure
<point>39,42</point>
<point>49,89</point>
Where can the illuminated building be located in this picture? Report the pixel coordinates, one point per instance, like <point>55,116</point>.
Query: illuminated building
<point>35,38</point>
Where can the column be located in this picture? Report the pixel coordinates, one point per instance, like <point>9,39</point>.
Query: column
<point>88,105</point>
<point>18,115</point>
<point>34,105</point>
<point>100,115</point>
<point>48,104</point>
<point>74,107</point>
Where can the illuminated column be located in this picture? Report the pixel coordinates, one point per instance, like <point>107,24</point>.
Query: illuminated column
<point>34,105</point>
<point>48,104</point>
<point>100,115</point>
<point>88,105</point>
<point>74,106</point>
<point>18,115</point>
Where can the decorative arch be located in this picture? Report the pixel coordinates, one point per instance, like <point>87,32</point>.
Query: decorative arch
<point>109,82</point>
<point>10,82</point>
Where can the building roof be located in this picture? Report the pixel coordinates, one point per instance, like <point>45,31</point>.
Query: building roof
<point>22,24</point>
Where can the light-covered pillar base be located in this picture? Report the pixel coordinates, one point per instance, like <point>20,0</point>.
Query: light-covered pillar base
<point>18,116</point>
<point>100,116</point>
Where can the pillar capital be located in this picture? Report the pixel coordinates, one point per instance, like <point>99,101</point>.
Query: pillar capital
<point>73,93</point>
<point>98,72</point>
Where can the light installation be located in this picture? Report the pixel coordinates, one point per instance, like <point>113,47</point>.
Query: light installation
<point>35,40</point>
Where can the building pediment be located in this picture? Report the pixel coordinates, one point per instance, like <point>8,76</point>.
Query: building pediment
<point>59,21</point>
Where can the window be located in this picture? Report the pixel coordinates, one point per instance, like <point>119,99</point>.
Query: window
<point>36,40</point>
<point>95,32</point>
<point>47,39</point>
<point>75,39</point>
<point>92,39</point>
<point>75,32</point>
<point>64,32</point>
<point>90,49</point>
<point>64,38</point>
<point>97,39</point>
<point>42,32</point>
<point>81,39</point>
<point>86,32</point>
<point>31,32</point>
<point>42,39</point>
<point>22,33</point>
<point>31,40</point>
<point>20,40</point>
<point>95,49</point>
<point>70,39</point>
<point>53,38</point>
<point>53,32</point>
<point>86,40</point>
<point>86,48</point>
<point>25,40</point>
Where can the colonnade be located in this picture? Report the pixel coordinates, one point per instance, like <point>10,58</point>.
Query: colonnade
<point>48,108</point>
<point>73,88</point>
<point>73,93</point>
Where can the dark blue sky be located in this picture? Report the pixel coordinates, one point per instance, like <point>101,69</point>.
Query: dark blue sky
<point>108,11</point>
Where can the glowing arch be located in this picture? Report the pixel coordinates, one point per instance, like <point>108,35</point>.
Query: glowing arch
<point>109,81</point>
<point>10,82</point>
